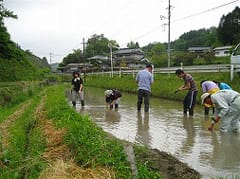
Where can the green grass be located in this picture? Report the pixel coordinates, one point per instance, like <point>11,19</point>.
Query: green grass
<point>164,84</point>
<point>19,92</point>
<point>22,157</point>
<point>91,146</point>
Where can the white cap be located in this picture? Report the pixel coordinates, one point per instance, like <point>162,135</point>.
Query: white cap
<point>204,96</point>
<point>108,93</point>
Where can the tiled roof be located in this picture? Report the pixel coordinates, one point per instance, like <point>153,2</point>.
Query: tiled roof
<point>128,51</point>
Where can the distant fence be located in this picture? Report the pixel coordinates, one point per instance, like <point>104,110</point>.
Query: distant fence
<point>198,68</point>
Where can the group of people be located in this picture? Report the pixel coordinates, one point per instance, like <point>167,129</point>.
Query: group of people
<point>144,79</point>
<point>219,96</point>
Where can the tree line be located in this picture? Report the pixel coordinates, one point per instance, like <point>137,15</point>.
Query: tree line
<point>227,33</point>
<point>17,64</point>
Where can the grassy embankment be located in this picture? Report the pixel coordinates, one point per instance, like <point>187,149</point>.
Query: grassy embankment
<point>12,94</point>
<point>27,150</point>
<point>164,84</point>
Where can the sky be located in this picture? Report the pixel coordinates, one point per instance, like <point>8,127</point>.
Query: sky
<point>53,28</point>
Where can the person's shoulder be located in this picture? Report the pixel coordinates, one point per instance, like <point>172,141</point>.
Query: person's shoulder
<point>188,74</point>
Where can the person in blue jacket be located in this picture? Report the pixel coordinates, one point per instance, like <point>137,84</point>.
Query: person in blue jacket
<point>222,85</point>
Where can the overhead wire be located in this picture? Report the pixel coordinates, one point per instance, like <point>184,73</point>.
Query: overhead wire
<point>205,11</point>
<point>157,27</point>
<point>186,17</point>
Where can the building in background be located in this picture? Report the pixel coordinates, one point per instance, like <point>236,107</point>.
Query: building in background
<point>222,51</point>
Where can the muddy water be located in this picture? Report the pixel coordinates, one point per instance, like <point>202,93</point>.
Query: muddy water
<point>166,129</point>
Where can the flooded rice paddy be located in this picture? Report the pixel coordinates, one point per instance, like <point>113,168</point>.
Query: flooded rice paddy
<point>166,129</point>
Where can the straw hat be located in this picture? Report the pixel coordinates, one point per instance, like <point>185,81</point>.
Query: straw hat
<point>108,93</point>
<point>204,96</point>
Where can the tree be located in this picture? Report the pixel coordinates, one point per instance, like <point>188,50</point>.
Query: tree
<point>196,38</point>
<point>98,45</point>
<point>133,45</point>
<point>229,28</point>
<point>75,57</point>
<point>180,45</point>
<point>156,48</point>
<point>8,49</point>
<point>5,13</point>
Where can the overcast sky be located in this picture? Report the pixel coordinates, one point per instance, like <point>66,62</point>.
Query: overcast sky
<point>59,26</point>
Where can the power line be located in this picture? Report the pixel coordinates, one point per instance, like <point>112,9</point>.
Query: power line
<point>205,11</point>
<point>157,27</point>
<point>183,18</point>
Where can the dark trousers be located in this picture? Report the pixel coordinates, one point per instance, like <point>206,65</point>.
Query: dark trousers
<point>143,95</point>
<point>206,110</point>
<point>189,102</point>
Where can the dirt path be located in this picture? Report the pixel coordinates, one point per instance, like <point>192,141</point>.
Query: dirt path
<point>5,125</point>
<point>61,164</point>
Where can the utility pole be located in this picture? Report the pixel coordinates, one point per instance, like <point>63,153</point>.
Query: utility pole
<point>50,60</point>
<point>84,43</point>
<point>169,31</point>
<point>84,68</point>
<point>169,48</point>
<point>110,47</point>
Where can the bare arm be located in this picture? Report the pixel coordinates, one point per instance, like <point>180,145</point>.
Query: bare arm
<point>184,87</point>
<point>214,121</point>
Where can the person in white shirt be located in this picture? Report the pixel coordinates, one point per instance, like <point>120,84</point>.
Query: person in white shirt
<point>227,104</point>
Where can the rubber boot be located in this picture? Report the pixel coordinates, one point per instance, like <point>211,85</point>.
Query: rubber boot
<point>116,106</point>
<point>111,106</point>
<point>82,103</point>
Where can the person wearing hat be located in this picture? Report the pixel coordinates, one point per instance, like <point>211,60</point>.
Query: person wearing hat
<point>191,87</point>
<point>144,79</point>
<point>208,87</point>
<point>77,89</point>
<point>112,98</point>
<point>227,104</point>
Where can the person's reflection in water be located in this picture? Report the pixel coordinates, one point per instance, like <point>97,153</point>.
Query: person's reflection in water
<point>112,117</point>
<point>188,125</point>
<point>143,136</point>
<point>81,111</point>
<point>226,151</point>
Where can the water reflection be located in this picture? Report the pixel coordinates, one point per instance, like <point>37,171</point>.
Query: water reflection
<point>165,128</point>
<point>142,135</point>
<point>188,143</point>
<point>112,116</point>
<point>226,151</point>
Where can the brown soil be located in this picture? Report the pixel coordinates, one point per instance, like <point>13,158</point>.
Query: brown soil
<point>169,166</point>
<point>4,126</point>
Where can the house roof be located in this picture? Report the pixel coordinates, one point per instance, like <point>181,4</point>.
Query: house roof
<point>133,59</point>
<point>98,57</point>
<point>129,51</point>
<point>199,48</point>
<point>75,65</point>
<point>223,48</point>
